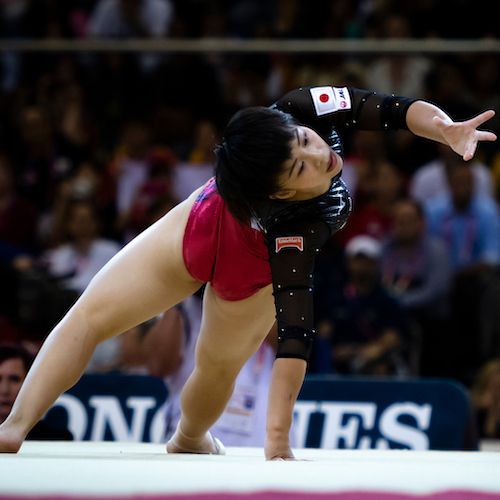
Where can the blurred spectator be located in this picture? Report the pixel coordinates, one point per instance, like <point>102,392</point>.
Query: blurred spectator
<point>469,223</point>
<point>415,266</point>
<point>132,355</point>
<point>78,261</point>
<point>159,208</point>
<point>48,19</point>
<point>15,237</point>
<point>486,86</point>
<point>85,185</point>
<point>470,227</point>
<point>360,165</point>
<point>131,169</point>
<point>133,19</point>
<point>67,105</point>
<point>155,190</point>
<point>43,157</point>
<point>415,269</point>
<point>13,24</point>
<point>205,18</point>
<point>366,326</point>
<point>447,85</point>
<point>345,20</point>
<point>78,17</point>
<point>18,222</point>
<point>375,217</point>
<point>398,74</point>
<point>252,18</point>
<point>486,397</point>
<point>190,175</point>
<point>124,354</point>
<point>15,362</point>
<point>431,179</point>
<point>247,82</point>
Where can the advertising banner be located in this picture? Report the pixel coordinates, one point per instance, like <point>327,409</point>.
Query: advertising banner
<point>331,412</point>
<point>356,412</point>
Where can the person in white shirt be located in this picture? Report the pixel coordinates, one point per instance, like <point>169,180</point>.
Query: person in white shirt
<point>431,179</point>
<point>78,261</point>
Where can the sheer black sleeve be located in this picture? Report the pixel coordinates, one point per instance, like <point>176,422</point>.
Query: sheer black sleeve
<point>295,232</point>
<point>345,108</point>
<point>292,250</point>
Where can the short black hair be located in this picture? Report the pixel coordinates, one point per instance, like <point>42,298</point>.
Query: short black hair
<point>15,351</point>
<point>255,145</point>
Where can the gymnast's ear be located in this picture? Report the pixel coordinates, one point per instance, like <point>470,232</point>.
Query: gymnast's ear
<point>284,194</point>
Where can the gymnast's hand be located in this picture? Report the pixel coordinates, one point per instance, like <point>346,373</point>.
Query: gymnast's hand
<point>278,449</point>
<point>463,137</point>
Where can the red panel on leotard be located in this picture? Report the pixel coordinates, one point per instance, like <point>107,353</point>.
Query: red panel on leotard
<point>220,250</point>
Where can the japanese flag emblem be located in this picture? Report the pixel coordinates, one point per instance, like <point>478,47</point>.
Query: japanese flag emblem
<point>330,99</point>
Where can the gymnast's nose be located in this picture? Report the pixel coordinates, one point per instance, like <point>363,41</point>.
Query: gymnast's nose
<point>316,156</point>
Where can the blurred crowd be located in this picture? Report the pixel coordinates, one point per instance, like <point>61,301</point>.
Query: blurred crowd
<point>95,147</point>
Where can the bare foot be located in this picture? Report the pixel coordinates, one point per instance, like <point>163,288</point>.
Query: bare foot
<point>179,443</point>
<point>9,441</point>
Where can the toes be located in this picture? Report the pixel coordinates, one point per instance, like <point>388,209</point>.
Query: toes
<point>221,450</point>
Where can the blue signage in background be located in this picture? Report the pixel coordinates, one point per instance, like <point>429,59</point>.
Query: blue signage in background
<point>112,408</point>
<point>332,412</point>
<point>357,412</point>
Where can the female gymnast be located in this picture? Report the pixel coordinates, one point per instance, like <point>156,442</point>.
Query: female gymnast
<point>251,234</point>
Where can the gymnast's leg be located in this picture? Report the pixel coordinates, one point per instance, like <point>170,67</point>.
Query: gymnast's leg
<point>147,277</point>
<point>231,332</point>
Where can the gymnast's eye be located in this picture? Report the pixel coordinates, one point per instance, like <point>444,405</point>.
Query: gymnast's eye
<point>302,166</point>
<point>306,140</point>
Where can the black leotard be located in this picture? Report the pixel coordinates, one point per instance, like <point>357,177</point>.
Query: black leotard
<point>295,231</point>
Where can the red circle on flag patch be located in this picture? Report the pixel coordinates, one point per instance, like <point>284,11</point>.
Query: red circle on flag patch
<point>324,97</point>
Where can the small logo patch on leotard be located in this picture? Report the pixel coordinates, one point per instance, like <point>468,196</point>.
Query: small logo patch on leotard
<point>290,242</point>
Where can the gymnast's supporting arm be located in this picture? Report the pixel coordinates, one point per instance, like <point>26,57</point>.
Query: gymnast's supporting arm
<point>286,380</point>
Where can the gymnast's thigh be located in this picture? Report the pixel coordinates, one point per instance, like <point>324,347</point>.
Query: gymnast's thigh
<point>146,278</point>
<point>231,331</point>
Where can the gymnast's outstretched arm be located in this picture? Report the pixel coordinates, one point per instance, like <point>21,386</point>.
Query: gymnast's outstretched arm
<point>349,108</point>
<point>427,120</point>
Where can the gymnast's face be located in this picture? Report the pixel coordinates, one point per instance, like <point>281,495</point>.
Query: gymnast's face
<point>312,165</point>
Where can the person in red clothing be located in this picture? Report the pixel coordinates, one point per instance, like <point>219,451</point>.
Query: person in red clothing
<point>15,237</point>
<point>18,229</point>
<point>375,217</point>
